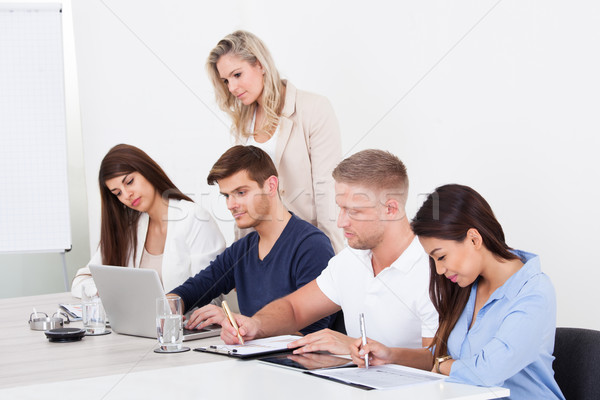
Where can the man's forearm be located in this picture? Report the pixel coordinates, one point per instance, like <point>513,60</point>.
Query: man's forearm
<point>277,318</point>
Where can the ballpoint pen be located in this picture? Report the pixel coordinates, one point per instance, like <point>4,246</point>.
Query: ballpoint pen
<point>363,334</point>
<point>231,320</point>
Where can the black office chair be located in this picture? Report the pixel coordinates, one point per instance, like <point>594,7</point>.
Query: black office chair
<point>577,363</point>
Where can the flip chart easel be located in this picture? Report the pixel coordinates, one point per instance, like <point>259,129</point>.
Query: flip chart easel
<point>34,196</point>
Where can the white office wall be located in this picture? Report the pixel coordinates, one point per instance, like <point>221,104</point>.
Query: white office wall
<point>499,95</point>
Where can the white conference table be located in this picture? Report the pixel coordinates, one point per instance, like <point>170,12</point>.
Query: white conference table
<point>125,367</point>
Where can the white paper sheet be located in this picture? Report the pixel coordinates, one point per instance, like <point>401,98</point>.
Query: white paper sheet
<point>380,377</point>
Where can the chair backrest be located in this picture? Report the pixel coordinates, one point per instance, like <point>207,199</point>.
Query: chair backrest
<point>577,363</point>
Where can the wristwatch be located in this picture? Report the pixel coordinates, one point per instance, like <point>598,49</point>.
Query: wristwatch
<point>438,361</point>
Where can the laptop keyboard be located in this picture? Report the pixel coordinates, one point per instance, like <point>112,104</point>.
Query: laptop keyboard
<point>207,329</point>
<point>192,331</point>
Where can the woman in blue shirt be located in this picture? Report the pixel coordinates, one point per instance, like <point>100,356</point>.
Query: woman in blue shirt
<point>497,310</point>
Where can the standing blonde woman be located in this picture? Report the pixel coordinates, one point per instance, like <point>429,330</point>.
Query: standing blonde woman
<point>297,129</point>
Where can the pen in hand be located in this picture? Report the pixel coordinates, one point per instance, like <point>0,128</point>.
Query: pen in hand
<point>231,320</point>
<point>363,334</point>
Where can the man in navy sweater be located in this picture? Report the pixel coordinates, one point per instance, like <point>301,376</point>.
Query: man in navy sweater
<point>282,254</point>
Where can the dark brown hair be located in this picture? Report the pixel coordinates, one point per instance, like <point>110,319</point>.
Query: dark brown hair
<point>251,159</point>
<point>448,213</point>
<point>376,169</point>
<point>118,232</point>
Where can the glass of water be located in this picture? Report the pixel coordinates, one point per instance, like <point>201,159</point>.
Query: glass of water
<point>169,324</point>
<point>93,315</point>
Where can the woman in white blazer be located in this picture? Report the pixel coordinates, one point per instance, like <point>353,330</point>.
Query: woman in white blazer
<point>148,223</point>
<point>297,129</point>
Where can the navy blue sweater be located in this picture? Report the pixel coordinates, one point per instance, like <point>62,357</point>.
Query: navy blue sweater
<point>299,255</point>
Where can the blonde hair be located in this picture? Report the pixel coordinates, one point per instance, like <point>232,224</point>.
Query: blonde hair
<point>376,169</point>
<point>251,49</point>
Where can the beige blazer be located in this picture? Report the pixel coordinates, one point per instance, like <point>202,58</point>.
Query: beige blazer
<point>309,147</point>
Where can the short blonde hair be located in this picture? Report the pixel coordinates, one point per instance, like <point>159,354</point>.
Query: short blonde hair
<point>376,169</point>
<point>251,49</point>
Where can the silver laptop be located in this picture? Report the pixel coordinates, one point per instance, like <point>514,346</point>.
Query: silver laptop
<point>129,298</point>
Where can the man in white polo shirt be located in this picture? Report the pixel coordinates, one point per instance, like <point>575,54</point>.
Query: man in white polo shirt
<point>384,273</point>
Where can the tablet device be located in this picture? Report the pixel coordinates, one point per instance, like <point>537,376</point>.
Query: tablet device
<point>308,361</point>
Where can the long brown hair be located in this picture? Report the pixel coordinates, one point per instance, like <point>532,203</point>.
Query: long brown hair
<point>448,213</point>
<point>118,229</point>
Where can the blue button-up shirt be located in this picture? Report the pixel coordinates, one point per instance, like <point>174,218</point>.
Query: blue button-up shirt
<point>512,339</point>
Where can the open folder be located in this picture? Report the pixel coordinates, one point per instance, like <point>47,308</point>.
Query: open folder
<point>252,348</point>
